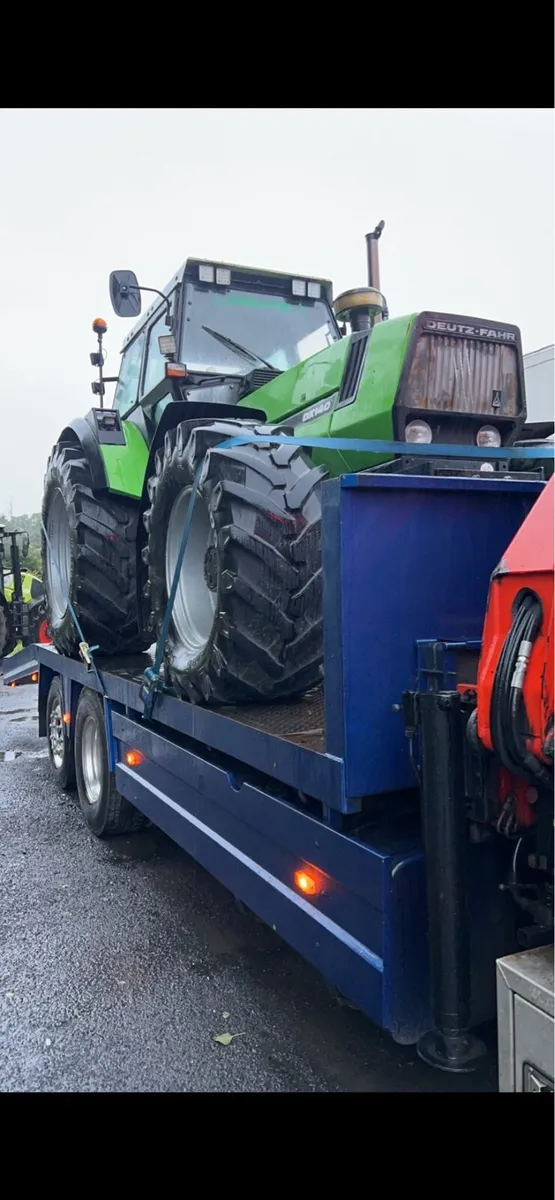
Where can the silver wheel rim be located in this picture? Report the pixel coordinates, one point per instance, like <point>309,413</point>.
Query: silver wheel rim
<point>91,760</point>
<point>58,557</point>
<point>56,735</point>
<point>195,602</point>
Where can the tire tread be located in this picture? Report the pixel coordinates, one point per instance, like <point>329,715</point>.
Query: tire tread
<point>103,588</point>
<point>266,643</point>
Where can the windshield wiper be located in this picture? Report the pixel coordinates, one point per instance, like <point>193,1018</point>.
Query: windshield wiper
<point>227,341</point>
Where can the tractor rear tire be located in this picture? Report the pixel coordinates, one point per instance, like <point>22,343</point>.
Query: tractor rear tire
<point>247,621</point>
<point>94,544</point>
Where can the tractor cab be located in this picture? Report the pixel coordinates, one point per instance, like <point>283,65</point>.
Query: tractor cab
<point>221,327</point>
<point>234,319</point>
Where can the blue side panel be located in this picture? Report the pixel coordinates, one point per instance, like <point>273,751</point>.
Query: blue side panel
<point>365,929</point>
<point>405,559</point>
<point>357,926</point>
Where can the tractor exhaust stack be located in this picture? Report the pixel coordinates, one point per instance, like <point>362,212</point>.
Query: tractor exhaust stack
<point>364,307</point>
<point>373,257</point>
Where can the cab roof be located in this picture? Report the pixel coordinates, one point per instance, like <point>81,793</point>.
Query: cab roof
<point>257,277</point>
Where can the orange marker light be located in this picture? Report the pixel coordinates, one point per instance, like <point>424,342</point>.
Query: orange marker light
<point>35,677</point>
<point>13,685</point>
<point>134,758</point>
<point>175,370</point>
<point>66,718</point>
<point>99,325</point>
<point>306,883</point>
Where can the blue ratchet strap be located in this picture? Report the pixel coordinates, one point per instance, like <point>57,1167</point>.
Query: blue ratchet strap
<point>151,679</point>
<point>152,682</point>
<point>404,449</point>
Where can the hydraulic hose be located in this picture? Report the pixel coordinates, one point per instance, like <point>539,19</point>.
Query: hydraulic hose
<point>509,725</point>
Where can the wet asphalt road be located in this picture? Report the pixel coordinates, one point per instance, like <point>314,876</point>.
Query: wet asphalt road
<point>120,962</point>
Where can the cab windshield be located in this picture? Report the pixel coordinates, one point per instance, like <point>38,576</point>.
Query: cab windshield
<point>278,331</point>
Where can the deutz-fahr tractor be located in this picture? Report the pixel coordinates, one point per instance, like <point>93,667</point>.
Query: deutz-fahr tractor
<point>225,350</point>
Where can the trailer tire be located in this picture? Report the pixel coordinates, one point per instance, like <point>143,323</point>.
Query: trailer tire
<point>106,812</point>
<point>247,621</point>
<point>94,542</point>
<point>60,740</point>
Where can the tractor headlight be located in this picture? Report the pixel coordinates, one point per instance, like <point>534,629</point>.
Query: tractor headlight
<point>488,436</point>
<point>418,431</point>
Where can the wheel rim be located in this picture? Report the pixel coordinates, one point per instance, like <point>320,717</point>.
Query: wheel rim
<point>43,637</point>
<point>196,596</point>
<point>58,557</point>
<point>92,760</point>
<point>56,735</point>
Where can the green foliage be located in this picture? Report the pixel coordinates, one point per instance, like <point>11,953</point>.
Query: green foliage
<point>31,525</point>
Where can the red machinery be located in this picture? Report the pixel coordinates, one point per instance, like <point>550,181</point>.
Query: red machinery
<point>515,704</point>
<point>515,676</point>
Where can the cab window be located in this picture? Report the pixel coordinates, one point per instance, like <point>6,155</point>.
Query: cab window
<point>127,389</point>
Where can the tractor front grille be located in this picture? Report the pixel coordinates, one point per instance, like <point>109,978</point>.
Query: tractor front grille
<point>463,375</point>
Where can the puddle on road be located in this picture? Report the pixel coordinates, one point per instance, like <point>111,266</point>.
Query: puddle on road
<point>11,755</point>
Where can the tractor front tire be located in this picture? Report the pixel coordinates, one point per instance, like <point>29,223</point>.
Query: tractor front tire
<point>91,560</point>
<point>246,625</point>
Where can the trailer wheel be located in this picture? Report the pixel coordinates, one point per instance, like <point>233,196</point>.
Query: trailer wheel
<point>60,745</point>
<point>105,811</point>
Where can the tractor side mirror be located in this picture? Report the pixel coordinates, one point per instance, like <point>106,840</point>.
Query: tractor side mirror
<point>125,294</point>
<point>25,545</point>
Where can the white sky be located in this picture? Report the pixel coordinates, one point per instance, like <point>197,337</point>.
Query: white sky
<point>467,196</point>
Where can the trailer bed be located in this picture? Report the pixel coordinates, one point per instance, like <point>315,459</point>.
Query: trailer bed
<point>285,741</point>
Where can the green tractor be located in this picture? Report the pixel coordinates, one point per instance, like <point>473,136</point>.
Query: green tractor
<point>225,350</point>
<point>22,597</point>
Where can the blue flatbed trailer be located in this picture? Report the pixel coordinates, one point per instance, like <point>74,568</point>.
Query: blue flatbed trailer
<point>309,811</point>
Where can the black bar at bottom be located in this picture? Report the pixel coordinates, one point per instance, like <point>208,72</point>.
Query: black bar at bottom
<point>448,1045</point>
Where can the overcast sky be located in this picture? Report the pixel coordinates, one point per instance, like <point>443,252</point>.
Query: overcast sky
<point>467,197</point>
